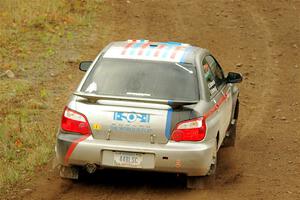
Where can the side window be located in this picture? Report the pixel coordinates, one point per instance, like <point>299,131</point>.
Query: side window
<point>209,78</point>
<point>216,71</point>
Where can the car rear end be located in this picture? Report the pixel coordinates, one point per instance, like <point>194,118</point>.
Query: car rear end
<point>135,109</point>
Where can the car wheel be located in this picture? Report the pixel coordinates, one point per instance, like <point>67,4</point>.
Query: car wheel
<point>200,182</point>
<point>203,182</point>
<point>69,172</point>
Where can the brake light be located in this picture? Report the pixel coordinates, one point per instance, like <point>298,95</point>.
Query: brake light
<point>73,121</point>
<point>189,130</point>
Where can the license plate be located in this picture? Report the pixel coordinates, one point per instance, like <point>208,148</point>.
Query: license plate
<point>126,159</point>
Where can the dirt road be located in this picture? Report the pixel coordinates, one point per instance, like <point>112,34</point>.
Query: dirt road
<point>260,39</point>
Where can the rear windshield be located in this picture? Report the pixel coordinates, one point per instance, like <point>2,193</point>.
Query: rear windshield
<point>143,79</point>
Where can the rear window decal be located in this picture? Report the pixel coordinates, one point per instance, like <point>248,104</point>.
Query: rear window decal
<point>143,50</point>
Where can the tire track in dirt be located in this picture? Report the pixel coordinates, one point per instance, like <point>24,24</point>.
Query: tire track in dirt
<point>267,86</point>
<point>272,150</point>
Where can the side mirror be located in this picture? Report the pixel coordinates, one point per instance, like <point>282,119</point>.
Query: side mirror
<point>85,65</point>
<point>233,77</point>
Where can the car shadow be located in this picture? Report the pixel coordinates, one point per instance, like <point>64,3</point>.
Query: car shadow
<point>132,179</point>
<point>127,179</point>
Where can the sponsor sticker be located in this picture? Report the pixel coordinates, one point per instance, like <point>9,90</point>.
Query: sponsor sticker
<point>132,117</point>
<point>97,126</point>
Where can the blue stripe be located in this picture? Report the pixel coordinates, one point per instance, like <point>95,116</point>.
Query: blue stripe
<point>150,48</point>
<point>172,43</point>
<point>168,124</point>
<point>134,47</point>
<point>186,51</point>
<point>167,50</point>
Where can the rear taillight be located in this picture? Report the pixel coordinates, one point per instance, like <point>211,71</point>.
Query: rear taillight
<point>189,130</point>
<point>73,121</point>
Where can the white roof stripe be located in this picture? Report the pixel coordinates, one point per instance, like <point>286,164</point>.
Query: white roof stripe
<point>148,52</point>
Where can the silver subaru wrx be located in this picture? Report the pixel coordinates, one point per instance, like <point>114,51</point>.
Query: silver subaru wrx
<point>157,106</point>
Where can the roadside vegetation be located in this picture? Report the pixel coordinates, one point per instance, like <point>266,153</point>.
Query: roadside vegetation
<point>34,40</point>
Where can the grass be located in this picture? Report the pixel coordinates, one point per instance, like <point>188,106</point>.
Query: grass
<point>31,33</point>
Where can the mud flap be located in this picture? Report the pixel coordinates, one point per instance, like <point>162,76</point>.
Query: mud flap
<point>68,172</point>
<point>229,140</point>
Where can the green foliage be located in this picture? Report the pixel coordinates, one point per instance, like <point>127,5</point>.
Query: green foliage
<point>31,33</point>
<point>43,93</point>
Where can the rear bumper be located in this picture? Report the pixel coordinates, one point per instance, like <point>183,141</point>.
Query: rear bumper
<point>192,159</point>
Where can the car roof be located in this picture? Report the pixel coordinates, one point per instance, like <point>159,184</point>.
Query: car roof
<point>153,51</point>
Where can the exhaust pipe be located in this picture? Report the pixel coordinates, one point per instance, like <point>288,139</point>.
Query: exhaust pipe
<point>90,168</point>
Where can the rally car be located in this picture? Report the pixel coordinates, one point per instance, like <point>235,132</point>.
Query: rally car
<point>156,106</point>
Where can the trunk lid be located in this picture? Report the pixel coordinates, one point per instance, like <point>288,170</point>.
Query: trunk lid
<point>129,121</point>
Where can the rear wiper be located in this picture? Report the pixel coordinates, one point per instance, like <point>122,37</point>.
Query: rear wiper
<point>94,98</point>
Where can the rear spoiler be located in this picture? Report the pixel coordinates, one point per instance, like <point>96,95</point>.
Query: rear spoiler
<point>94,98</point>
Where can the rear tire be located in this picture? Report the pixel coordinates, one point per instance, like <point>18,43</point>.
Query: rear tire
<point>69,172</point>
<point>200,182</point>
<point>204,182</point>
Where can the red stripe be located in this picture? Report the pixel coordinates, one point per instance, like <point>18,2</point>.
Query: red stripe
<point>216,106</point>
<point>175,52</point>
<point>127,46</point>
<point>156,54</point>
<point>143,47</point>
<point>73,146</point>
